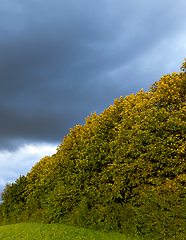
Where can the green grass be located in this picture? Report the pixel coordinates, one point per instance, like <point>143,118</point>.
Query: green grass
<point>37,231</point>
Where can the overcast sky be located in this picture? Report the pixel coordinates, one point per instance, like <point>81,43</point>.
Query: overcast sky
<point>62,60</point>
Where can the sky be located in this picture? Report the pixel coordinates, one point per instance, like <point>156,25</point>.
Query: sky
<point>62,60</point>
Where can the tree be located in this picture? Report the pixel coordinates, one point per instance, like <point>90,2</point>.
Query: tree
<point>124,170</point>
<point>183,67</point>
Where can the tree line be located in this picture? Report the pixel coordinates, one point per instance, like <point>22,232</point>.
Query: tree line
<point>123,170</point>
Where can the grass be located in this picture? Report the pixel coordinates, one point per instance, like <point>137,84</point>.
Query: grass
<point>38,231</point>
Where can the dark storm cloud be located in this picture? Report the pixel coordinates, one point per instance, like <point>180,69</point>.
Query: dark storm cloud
<point>62,60</point>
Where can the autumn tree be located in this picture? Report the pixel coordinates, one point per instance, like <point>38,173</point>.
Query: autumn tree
<point>123,170</point>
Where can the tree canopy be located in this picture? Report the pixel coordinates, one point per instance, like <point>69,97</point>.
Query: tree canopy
<point>123,170</point>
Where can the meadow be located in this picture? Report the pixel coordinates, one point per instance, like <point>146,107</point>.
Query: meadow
<point>39,231</point>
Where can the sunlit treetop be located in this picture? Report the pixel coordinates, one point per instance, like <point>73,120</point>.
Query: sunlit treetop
<point>183,67</point>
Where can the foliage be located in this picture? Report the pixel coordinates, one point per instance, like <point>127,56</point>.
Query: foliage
<point>183,67</point>
<point>123,170</point>
<point>13,200</point>
<point>1,214</point>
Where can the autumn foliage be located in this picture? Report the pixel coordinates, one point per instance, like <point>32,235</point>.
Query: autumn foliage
<point>123,170</point>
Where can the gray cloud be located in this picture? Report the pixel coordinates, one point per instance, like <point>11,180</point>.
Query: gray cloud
<point>62,60</point>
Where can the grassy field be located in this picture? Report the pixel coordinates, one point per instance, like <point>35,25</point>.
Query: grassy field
<point>37,231</point>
